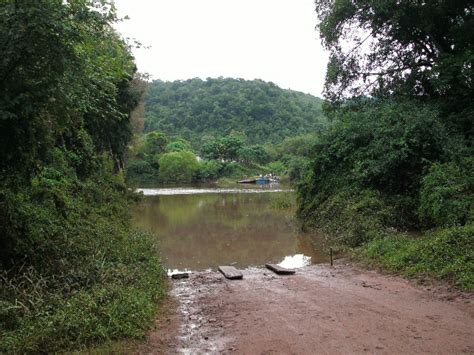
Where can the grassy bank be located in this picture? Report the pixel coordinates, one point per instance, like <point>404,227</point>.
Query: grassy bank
<point>87,276</point>
<point>446,254</point>
<point>364,223</point>
<point>443,254</point>
<point>38,317</point>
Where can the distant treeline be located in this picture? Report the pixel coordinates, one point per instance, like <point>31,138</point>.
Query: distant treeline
<point>198,110</point>
<point>156,158</point>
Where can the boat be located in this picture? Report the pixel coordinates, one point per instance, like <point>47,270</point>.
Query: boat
<point>248,181</point>
<point>261,180</point>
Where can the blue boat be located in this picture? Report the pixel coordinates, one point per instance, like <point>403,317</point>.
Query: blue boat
<point>262,180</point>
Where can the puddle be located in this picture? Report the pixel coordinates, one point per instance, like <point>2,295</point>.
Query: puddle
<point>295,261</point>
<point>201,228</point>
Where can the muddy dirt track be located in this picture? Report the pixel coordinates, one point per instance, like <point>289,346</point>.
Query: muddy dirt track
<point>319,310</point>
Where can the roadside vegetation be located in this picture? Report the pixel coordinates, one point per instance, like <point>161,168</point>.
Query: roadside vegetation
<point>72,270</point>
<point>398,156</point>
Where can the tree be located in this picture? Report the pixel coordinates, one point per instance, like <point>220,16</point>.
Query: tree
<point>178,146</point>
<point>225,148</point>
<point>230,146</point>
<point>178,167</point>
<point>253,154</point>
<point>155,143</point>
<point>419,49</point>
<point>65,103</point>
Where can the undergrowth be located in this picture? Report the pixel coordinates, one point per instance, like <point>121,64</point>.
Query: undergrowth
<point>446,254</point>
<point>389,167</point>
<point>84,276</point>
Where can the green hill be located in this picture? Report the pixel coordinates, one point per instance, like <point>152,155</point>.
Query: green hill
<point>197,108</point>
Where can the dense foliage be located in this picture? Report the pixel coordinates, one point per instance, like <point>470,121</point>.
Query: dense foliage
<point>156,158</point>
<point>72,272</point>
<point>417,49</point>
<point>200,110</point>
<point>235,128</point>
<point>400,157</point>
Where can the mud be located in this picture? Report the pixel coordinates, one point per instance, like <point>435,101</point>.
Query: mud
<point>318,310</point>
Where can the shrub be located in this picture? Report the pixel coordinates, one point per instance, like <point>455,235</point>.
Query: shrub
<point>297,166</point>
<point>73,271</point>
<point>447,194</point>
<point>445,254</point>
<point>233,169</point>
<point>141,171</point>
<point>382,146</point>
<point>178,167</point>
<point>209,170</point>
<point>352,218</point>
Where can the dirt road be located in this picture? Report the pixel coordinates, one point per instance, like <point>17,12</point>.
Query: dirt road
<point>319,310</point>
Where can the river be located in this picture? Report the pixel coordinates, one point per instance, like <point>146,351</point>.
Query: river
<point>200,228</point>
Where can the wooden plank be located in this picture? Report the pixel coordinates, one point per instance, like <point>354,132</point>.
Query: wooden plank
<point>279,270</point>
<point>231,272</point>
<point>180,275</point>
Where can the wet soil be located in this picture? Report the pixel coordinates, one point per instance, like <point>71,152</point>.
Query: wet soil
<point>317,310</point>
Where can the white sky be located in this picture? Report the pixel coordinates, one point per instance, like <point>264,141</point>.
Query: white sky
<point>272,40</point>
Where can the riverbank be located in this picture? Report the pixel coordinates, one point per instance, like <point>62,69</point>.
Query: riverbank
<point>319,309</point>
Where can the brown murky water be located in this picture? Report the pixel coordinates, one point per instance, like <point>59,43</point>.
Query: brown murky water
<point>198,229</point>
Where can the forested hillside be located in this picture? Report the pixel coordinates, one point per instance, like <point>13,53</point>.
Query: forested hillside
<point>196,109</point>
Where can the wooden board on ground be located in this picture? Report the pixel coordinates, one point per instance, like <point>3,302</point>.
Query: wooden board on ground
<point>230,272</point>
<point>180,275</point>
<point>279,270</point>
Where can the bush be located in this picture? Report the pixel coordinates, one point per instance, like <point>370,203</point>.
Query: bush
<point>297,166</point>
<point>444,254</point>
<point>447,194</point>
<point>351,218</point>
<point>381,146</point>
<point>276,167</point>
<point>141,171</point>
<point>73,271</point>
<point>209,170</point>
<point>178,167</point>
<point>233,170</point>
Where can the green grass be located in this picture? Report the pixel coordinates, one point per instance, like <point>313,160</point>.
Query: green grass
<point>446,254</point>
<point>364,223</point>
<point>34,318</point>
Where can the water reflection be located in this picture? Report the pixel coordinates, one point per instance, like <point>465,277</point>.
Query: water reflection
<point>204,230</point>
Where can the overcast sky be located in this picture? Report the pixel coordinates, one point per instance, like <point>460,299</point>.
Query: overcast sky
<point>273,40</point>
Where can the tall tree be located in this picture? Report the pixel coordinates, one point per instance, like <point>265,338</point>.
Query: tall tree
<point>415,48</point>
